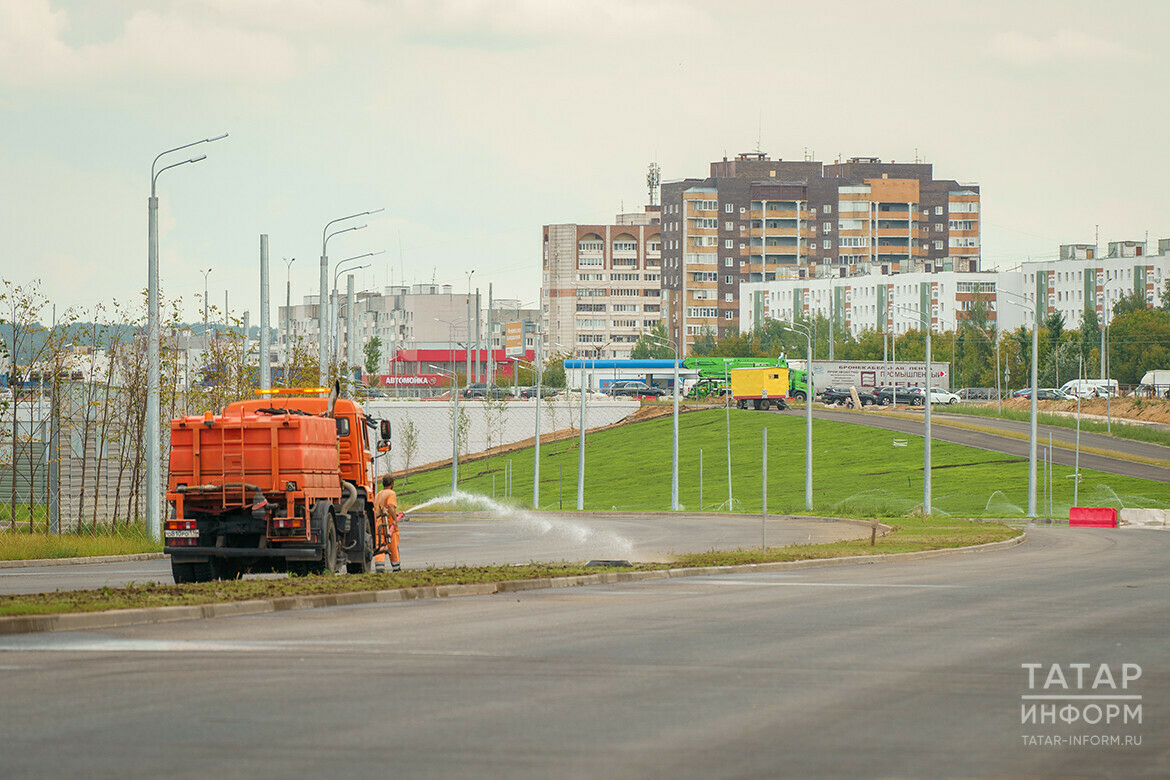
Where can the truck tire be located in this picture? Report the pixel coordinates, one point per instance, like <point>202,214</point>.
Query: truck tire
<point>799,396</point>
<point>366,565</point>
<point>203,572</point>
<point>182,572</point>
<point>328,563</point>
<point>764,405</point>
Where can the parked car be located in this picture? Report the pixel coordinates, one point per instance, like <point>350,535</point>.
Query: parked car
<point>976,394</point>
<point>940,396</point>
<point>885,395</point>
<point>1044,394</point>
<point>634,388</point>
<point>545,391</point>
<point>842,395</point>
<point>484,390</point>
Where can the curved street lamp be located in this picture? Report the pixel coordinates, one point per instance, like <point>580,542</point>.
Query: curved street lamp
<point>809,394</point>
<point>153,432</point>
<point>323,332</point>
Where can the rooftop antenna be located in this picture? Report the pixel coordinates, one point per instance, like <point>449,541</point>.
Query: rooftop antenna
<point>760,133</point>
<point>653,179</point>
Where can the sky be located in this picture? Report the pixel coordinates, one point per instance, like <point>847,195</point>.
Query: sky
<point>472,123</point>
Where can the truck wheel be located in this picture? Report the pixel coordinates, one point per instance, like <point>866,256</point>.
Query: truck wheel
<point>765,405</point>
<point>203,572</point>
<point>328,562</point>
<point>182,572</point>
<point>366,565</point>
<point>798,396</point>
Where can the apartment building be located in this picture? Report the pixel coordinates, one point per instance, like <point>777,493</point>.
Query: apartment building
<point>894,303</point>
<point>754,219</point>
<point>601,284</point>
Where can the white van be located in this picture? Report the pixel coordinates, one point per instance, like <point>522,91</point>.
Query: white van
<point>1091,388</point>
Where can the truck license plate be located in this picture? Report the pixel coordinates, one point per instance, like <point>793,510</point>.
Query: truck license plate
<point>183,534</point>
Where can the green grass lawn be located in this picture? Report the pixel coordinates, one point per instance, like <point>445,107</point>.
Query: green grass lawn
<point>857,471</point>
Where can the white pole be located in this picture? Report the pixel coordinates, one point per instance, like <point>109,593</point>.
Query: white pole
<point>581,446</point>
<point>265,368</point>
<point>764,484</point>
<point>536,451</point>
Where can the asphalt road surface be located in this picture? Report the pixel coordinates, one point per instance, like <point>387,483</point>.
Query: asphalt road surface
<point>1018,447</point>
<point>516,536</point>
<point>908,669</point>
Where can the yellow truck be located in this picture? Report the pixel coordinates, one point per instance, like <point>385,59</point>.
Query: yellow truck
<point>760,388</point>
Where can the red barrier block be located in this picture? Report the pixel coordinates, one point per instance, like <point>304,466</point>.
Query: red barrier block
<point>1092,517</point>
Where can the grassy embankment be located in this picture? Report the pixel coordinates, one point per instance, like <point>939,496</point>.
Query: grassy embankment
<point>857,472</point>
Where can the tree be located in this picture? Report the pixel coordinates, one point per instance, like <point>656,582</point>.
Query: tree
<point>554,372</point>
<point>373,355</point>
<point>1090,335</point>
<point>410,442</point>
<point>1130,302</point>
<point>1138,342</point>
<point>648,348</point>
<point>705,343</point>
<point>1054,324</point>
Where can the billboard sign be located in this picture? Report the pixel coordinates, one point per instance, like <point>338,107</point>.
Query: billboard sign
<point>412,380</point>
<point>514,338</point>
<point>865,374</point>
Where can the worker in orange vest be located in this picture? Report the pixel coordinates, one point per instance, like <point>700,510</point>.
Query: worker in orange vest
<point>386,515</point>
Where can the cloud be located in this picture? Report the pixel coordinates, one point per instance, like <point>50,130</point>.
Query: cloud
<point>170,45</point>
<point>1062,46</point>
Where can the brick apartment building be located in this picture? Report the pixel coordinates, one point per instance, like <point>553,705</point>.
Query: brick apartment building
<point>601,285</point>
<point>755,219</point>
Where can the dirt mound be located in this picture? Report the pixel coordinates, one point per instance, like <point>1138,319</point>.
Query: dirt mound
<point>1147,409</point>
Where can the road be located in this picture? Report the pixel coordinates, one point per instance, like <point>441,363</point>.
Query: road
<point>1018,447</point>
<point>512,536</point>
<point>909,669</point>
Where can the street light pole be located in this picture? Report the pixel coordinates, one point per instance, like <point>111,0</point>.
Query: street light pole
<point>153,433</point>
<point>335,311</point>
<point>809,394</point>
<point>205,273</point>
<point>674,505</point>
<point>454,426</point>
<point>288,319</point>
<point>1035,374</point>
<point>322,313</point>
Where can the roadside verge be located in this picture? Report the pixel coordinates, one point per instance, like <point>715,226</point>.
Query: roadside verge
<point>28,624</point>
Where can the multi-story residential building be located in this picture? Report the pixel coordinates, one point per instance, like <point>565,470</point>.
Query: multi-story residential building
<point>893,304</point>
<point>422,315</point>
<point>755,219</point>
<point>601,285</point>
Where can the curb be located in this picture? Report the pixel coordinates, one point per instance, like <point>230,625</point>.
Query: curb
<point>79,621</point>
<point>73,561</point>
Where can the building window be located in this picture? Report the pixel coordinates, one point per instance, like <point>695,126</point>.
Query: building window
<point>729,315</point>
<point>727,207</point>
<point>828,243</point>
<point>938,209</point>
<point>828,209</point>
<point>827,226</point>
<point>728,262</point>
<point>729,297</point>
<point>728,279</point>
<point>937,227</point>
<point>728,244</point>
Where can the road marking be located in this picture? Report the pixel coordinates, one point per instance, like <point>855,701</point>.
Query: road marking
<point>823,584</point>
<point>99,644</point>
